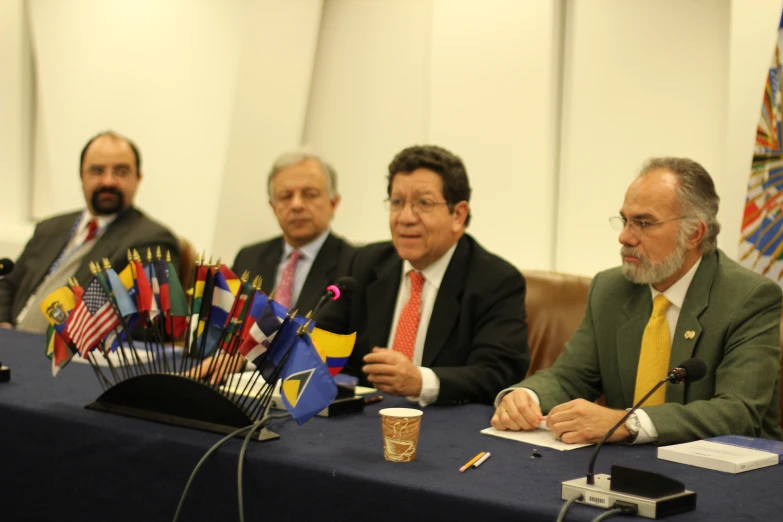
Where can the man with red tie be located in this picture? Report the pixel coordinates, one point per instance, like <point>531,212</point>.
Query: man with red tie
<point>63,246</point>
<point>438,318</point>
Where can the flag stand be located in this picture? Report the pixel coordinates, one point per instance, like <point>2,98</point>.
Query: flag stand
<point>177,400</point>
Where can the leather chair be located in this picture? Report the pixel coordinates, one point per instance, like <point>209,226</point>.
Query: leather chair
<point>555,306</point>
<point>187,263</point>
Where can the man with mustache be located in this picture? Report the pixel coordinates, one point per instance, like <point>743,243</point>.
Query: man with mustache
<point>676,296</point>
<point>438,318</point>
<point>307,257</point>
<point>63,246</point>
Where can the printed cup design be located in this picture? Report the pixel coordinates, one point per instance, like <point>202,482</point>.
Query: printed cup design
<point>400,433</point>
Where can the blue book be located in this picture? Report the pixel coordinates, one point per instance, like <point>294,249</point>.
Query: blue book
<point>771,446</point>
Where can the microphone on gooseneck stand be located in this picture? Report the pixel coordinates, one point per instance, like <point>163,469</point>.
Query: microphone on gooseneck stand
<point>344,287</point>
<point>652,495</point>
<point>6,266</point>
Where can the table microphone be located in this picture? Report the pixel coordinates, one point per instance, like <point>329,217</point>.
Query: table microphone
<point>6,266</point>
<point>344,286</point>
<point>651,493</point>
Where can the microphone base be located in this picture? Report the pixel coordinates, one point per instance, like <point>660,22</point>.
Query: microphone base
<point>5,374</point>
<point>601,495</point>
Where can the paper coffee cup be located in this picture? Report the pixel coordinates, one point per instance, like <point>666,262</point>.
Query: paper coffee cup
<point>400,433</point>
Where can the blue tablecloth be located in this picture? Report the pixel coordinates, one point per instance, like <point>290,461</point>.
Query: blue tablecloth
<point>62,462</point>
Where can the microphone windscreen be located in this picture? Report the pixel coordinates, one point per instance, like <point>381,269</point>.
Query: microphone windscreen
<point>6,266</point>
<point>696,369</point>
<point>347,285</point>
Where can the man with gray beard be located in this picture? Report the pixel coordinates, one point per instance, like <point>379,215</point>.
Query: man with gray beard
<point>676,296</point>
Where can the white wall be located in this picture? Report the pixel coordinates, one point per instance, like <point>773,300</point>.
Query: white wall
<point>267,116</point>
<point>16,111</point>
<point>552,104</point>
<point>642,79</point>
<point>163,73</point>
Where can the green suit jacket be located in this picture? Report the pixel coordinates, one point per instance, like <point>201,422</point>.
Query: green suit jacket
<point>735,316</point>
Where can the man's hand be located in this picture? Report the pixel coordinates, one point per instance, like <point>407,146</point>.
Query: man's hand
<point>7,325</point>
<point>517,412</point>
<point>217,367</point>
<point>392,372</point>
<point>580,421</point>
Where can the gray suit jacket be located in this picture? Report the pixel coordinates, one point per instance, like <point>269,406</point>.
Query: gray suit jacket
<point>735,316</point>
<point>332,262</point>
<point>131,229</point>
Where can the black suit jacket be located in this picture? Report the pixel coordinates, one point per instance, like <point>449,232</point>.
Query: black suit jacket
<point>131,229</point>
<point>476,341</point>
<point>331,263</point>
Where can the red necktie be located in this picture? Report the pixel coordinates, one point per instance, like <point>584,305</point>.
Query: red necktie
<point>408,323</point>
<point>92,228</point>
<point>285,290</point>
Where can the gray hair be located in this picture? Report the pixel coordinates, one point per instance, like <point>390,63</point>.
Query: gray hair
<point>696,195</point>
<point>296,156</point>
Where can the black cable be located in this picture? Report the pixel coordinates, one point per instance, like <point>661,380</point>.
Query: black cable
<point>568,504</point>
<point>201,462</point>
<point>612,512</point>
<point>240,468</point>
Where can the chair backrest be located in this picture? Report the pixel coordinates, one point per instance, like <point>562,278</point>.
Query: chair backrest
<point>781,371</point>
<point>187,263</point>
<point>555,306</point>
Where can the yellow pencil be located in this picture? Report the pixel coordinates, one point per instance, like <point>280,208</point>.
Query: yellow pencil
<point>471,462</point>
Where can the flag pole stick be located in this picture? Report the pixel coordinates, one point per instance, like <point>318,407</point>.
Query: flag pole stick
<point>186,351</point>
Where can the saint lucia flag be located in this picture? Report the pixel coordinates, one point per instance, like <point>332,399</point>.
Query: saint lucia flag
<point>761,244</point>
<point>306,385</point>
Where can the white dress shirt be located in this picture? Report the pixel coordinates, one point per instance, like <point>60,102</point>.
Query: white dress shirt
<point>676,296</point>
<point>433,276</point>
<point>303,266</point>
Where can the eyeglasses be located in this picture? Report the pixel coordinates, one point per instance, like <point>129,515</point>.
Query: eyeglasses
<point>418,206</point>
<point>638,226</point>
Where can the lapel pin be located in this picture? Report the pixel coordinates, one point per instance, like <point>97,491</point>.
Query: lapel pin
<point>690,334</point>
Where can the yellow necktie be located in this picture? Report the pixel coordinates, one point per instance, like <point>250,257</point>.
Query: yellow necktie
<point>655,354</point>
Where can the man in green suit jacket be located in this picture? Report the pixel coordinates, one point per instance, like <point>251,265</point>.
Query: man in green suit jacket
<point>720,312</point>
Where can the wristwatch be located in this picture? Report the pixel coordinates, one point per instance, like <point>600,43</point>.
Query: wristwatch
<point>633,426</point>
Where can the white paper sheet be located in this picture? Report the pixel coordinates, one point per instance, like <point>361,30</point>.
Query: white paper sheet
<point>115,358</point>
<point>538,437</point>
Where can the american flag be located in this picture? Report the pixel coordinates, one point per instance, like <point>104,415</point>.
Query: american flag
<point>92,319</point>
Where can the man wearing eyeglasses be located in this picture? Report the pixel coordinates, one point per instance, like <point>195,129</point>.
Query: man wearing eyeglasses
<point>439,319</point>
<point>63,246</point>
<point>307,257</point>
<point>676,296</point>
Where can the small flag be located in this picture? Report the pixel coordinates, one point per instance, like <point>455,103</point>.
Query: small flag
<point>306,385</point>
<point>92,318</point>
<point>334,349</point>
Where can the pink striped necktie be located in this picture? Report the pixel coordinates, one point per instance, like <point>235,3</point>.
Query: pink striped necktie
<point>285,290</point>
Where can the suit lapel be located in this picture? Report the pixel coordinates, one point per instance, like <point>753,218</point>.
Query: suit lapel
<point>696,301</point>
<point>60,236</point>
<point>321,272</point>
<point>447,304</point>
<point>381,299</point>
<point>638,308</point>
<point>268,263</point>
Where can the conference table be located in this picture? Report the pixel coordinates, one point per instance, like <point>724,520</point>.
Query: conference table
<point>60,461</point>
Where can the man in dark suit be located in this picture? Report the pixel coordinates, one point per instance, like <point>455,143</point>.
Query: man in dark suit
<point>438,318</point>
<point>676,296</point>
<point>308,257</point>
<point>63,246</point>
